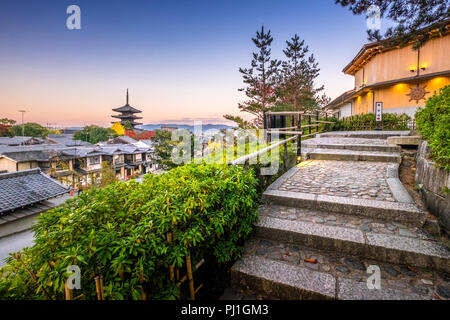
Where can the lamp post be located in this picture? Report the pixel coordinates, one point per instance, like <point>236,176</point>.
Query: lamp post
<point>23,124</point>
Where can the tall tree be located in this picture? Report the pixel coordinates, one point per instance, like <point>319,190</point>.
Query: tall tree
<point>297,79</point>
<point>413,19</point>
<point>5,124</point>
<point>261,80</point>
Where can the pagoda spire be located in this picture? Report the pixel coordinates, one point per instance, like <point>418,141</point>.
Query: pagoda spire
<point>127,96</point>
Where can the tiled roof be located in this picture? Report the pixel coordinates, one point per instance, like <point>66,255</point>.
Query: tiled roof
<point>127,108</point>
<point>67,140</point>
<point>14,141</point>
<point>24,188</point>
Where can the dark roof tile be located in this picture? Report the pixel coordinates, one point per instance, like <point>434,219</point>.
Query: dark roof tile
<point>23,188</point>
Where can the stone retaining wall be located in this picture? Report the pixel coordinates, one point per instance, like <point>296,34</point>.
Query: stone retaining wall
<point>432,182</point>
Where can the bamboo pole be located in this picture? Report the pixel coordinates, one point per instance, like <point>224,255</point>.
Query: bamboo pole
<point>184,278</point>
<point>101,288</point>
<point>69,292</point>
<point>171,273</point>
<point>190,277</point>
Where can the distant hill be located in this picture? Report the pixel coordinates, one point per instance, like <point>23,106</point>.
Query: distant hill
<point>205,127</point>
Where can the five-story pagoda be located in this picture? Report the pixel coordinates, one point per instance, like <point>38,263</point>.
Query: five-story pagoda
<point>127,113</point>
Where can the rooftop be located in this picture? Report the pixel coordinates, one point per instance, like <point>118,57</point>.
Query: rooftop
<point>24,188</point>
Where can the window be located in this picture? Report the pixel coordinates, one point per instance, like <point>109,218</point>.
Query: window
<point>94,160</point>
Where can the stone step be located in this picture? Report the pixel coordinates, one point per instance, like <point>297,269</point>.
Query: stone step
<point>358,144</point>
<point>401,212</point>
<point>354,147</point>
<point>290,271</point>
<point>374,239</point>
<point>351,155</point>
<point>363,134</point>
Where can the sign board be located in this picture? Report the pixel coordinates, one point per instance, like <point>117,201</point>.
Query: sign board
<point>378,111</point>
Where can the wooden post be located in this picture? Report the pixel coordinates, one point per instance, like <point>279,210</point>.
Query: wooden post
<point>309,123</point>
<point>299,137</point>
<point>190,277</point>
<point>317,122</point>
<point>171,272</point>
<point>69,292</point>
<point>283,125</point>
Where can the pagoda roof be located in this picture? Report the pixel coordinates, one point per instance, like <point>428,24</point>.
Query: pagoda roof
<point>127,108</point>
<point>124,116</point>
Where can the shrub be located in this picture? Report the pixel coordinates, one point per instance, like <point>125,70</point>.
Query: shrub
<point>433,123</point>
<point>120,232</point>
<point>391,121</point>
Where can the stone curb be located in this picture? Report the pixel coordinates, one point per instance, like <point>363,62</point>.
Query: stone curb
<point>399,192</point>
<point>288,174</point>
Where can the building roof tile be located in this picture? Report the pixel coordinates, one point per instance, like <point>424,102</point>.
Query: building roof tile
<point>24,188</point>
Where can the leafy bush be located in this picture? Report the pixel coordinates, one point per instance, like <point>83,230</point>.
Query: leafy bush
<point>28,130</point>
<point>433,123</point>
<point>94,134</point>
<point>391,121</point>
<point>120,233</point>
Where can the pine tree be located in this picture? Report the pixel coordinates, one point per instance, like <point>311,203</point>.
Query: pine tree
<point>299,72</point>
<point>414,19</point>
<point>261,80</point>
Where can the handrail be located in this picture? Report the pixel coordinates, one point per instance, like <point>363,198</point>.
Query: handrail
<point>284,132</point>
<point>244,159</point>
<point>303,113</point>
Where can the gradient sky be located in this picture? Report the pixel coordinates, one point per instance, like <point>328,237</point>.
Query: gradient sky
<point>179,59</point>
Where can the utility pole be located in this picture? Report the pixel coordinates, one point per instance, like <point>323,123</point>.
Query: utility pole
<point>23,124</point>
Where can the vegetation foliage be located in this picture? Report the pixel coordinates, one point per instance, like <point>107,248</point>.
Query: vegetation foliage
<point>433,123</point>
<point>94,134</point>
<point>120,232</point>
<point>270,82</point>
<point>28,130</point>
<point>390,121</point>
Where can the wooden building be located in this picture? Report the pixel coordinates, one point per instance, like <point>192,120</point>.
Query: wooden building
<point>400,77</point>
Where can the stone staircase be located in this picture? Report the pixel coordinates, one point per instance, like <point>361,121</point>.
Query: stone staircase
<point>325,221</point>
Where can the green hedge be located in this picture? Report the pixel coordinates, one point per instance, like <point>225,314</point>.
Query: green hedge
<point>120,231</point>
<point>391,121</point>
<point>433,123</point>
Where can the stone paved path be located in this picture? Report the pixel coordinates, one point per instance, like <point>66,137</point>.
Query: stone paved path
<point>356,179</point>
<point>325,222</point>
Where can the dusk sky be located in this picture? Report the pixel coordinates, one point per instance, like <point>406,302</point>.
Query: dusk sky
<point>179,59</point>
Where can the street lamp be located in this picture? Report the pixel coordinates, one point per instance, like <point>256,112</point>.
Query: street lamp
<point>23,124</point>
